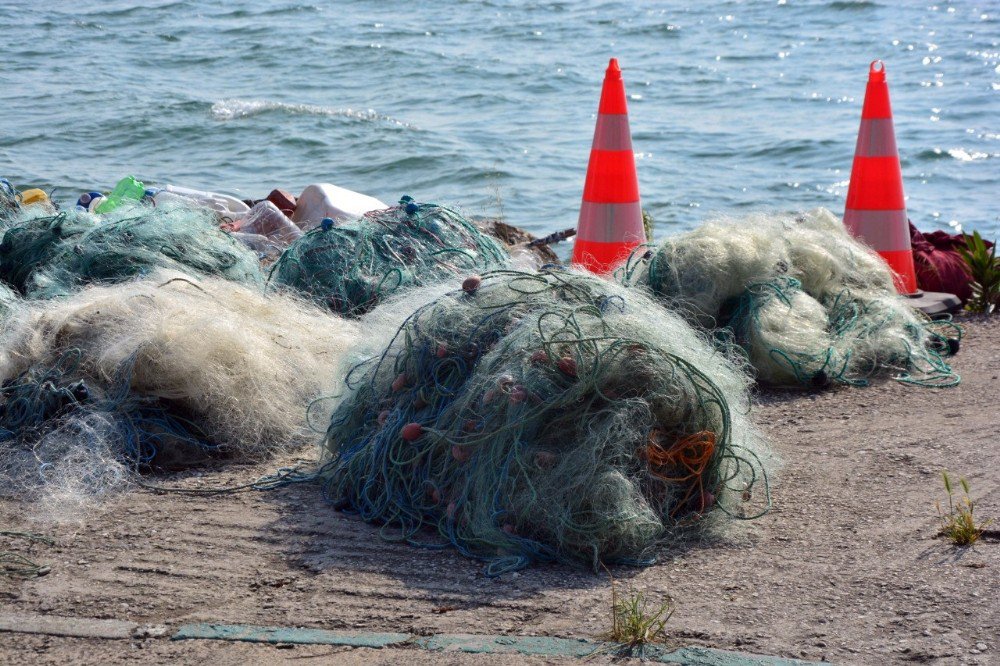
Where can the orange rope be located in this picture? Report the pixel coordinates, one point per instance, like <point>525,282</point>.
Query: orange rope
<point>692,453</point>
<point>689,455</point>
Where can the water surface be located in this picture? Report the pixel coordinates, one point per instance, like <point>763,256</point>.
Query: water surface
<point>490,105</point>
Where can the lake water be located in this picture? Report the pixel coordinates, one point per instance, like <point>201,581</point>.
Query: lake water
<point>734,106</point>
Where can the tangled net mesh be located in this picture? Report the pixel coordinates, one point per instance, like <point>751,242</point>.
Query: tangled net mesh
<point>10,207</point>
<point>808,304</point>
<point>30,244</point>
<point>55,255</point>
<point>164,372</point>
<point>69,469</point>
<point>549,416</point>
<point>353,267</point>
<point>8,301</point>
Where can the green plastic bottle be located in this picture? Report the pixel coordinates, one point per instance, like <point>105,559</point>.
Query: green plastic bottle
<point>127,188</point>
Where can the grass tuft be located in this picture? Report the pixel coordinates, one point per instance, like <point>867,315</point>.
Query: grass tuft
<point>635,621</point>
<point>958,524</point>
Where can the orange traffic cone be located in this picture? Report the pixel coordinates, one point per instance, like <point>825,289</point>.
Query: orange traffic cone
<point>876,211</point>
<point>610,225</point>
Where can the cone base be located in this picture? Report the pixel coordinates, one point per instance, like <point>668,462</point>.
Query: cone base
<point>601,258</point>
<point>904,274</point>
<point>934,303</point>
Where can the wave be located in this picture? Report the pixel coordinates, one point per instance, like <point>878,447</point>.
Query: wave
<point>234,109</point>
<point>656,30</point>
<point>960,154</point>
<point>848,5</point>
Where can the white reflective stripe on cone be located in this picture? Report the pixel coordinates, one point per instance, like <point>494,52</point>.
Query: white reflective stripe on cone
<point>611,222</point>
<point>612,132</point>
<point>876,138</point>
<point>883,230</point>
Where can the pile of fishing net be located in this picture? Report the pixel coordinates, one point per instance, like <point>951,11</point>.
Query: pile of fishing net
<point>162,372</point>
<point>807,303</point>
<point>545,416</point>
<point>352,267</point>
<point>55,255</point>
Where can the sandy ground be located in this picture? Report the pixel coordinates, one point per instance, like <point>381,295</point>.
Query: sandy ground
<point>846,567</point>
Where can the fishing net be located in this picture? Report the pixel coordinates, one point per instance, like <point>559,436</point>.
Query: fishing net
<point>165,372</point>
<point>56,255</point>
<point>548,416</point>
<point>8,301</point>
<point>351,268</point>
<point>9,205</point>
<point>32,243</point>
<point>808,304</point>
<point>68,470</point>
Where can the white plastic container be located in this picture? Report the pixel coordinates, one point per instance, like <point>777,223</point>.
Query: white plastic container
<point>223,204</point>
<point>325,200</point>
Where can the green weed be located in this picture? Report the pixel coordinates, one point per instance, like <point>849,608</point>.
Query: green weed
<point>958,524</point>
<point>635,621</point>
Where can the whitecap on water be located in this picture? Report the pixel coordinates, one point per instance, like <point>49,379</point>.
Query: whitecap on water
<point>963,155</point>
<point>232,109</point>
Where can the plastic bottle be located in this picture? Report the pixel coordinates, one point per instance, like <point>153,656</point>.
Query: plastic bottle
<point>223,204</point>
<point>87,199</point>
<point>266,220</point>
<point>127,188</point>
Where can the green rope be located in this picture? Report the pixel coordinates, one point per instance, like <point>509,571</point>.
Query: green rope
<point>16,565</point>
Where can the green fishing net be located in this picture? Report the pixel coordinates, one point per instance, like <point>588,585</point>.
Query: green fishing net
<point>352,267</point>
<point>55,255</point>
<point>31,244</point>
<point>549,416</point>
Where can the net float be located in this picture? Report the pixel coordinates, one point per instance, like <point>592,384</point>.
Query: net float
<point>400,382</point>
<point>471,284</point>
<point>411,431</point>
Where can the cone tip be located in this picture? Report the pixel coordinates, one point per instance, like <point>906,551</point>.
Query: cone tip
<point>876,71</point>
<point>613,65</point>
